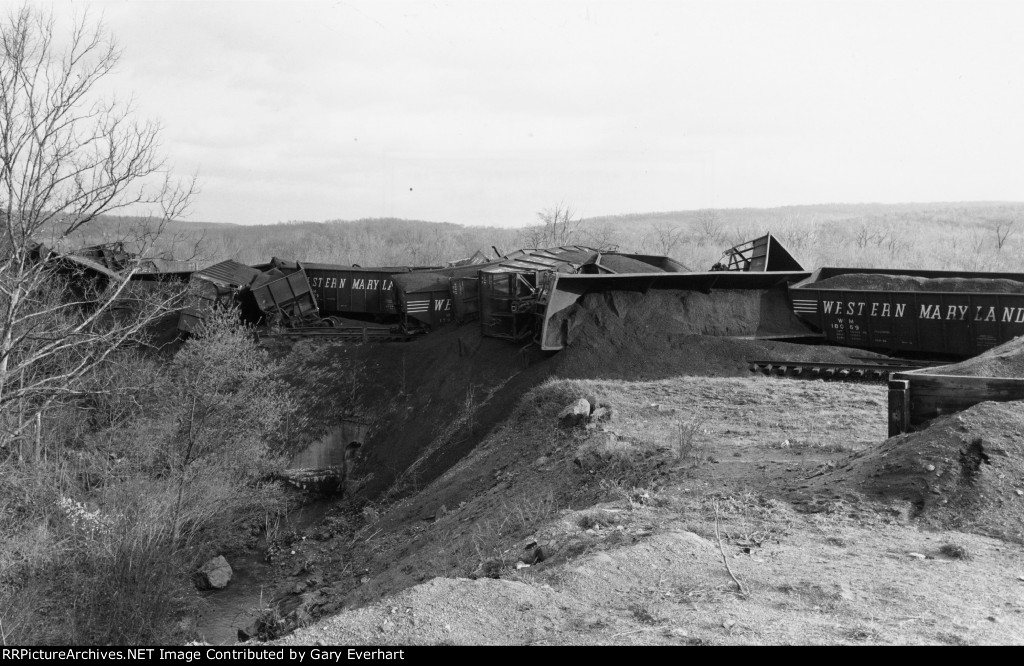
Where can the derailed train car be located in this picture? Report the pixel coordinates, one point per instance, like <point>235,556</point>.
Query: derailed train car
<point>350,291</point>
<point>503,293</point>
<point>947,313</point>
<point>497,292</point>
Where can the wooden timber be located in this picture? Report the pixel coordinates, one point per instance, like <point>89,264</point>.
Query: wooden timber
<point>918,396</point>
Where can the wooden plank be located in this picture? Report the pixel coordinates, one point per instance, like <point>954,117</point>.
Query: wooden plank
<point>899,406</point>
<point>936,395</point>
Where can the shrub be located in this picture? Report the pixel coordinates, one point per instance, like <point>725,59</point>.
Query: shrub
<point>98,536</point>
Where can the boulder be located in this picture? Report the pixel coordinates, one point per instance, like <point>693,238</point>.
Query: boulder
<point>214,575</point>
<point>575,414</point>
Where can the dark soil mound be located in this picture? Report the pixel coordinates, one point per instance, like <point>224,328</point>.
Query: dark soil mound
<point>965,471</point>
<point>1006,360</point>
<point>429,401</point>
<point>873,282</point>
<point>667,333</point>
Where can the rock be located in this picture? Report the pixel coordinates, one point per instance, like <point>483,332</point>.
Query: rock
<point>488,569</point>
<point>214,575</point>
<point>533,554</point>
<point>575,414</point>
<point>540,462</point>
<point>917,556</point>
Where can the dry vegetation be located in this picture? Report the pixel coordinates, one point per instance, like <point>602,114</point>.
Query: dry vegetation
<point>964,236</point>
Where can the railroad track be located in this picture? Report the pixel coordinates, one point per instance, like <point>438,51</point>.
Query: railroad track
<point>346,334</point>
<point>877,370</point>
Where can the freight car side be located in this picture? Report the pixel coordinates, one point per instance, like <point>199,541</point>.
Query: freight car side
<point>351,290</point>
<point>927,312</point>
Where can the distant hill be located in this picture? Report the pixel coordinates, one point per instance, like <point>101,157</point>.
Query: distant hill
<point>959,235</point>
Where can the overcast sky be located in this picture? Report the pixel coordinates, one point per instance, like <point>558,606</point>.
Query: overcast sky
<point>485,112</point>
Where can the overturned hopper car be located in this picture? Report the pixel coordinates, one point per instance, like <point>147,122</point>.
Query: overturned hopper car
<point>956,314</point>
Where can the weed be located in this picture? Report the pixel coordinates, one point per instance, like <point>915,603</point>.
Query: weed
<point>621,460</point>
<point>955,551</point>
<point>370,514</point>
<point>635,497</point>
<point>268,623</point>
<point>752,519</point>
<point>688,443</point>
<point>595,518</point>
<point>644,616</point>
<point>527,512</point>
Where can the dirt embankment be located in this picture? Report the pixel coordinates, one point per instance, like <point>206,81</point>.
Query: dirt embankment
<point>965,471</point>
<point>633,539</point>
<point>874,282</point>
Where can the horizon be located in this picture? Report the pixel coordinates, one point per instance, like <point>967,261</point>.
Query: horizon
<point>606,216</point>
<point>486,113</point>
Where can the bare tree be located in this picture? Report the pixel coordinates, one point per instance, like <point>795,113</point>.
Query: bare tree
<point>558,226</point>
<point>603,237</point>
<point>665,236</point>
<point>67,156</point>
<point>1002,230</point>
<point>709,227</point>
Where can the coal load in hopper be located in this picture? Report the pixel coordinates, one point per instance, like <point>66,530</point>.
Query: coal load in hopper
<point>745,296</point>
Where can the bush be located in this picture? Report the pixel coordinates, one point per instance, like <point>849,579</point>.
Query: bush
<point>99,535</point>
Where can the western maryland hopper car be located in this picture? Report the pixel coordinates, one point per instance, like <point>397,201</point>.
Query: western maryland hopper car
<point>957,314</point>
<point>351,291</point>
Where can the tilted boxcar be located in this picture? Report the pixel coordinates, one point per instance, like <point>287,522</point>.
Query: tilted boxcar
<point>349,291</point>
<point>285,299</point>
<point>931,312</point>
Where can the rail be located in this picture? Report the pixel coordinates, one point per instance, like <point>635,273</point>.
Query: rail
<point>367,334</point>
<point>875,371</point>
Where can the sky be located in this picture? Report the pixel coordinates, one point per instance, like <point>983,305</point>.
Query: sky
<point>486,112</point>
